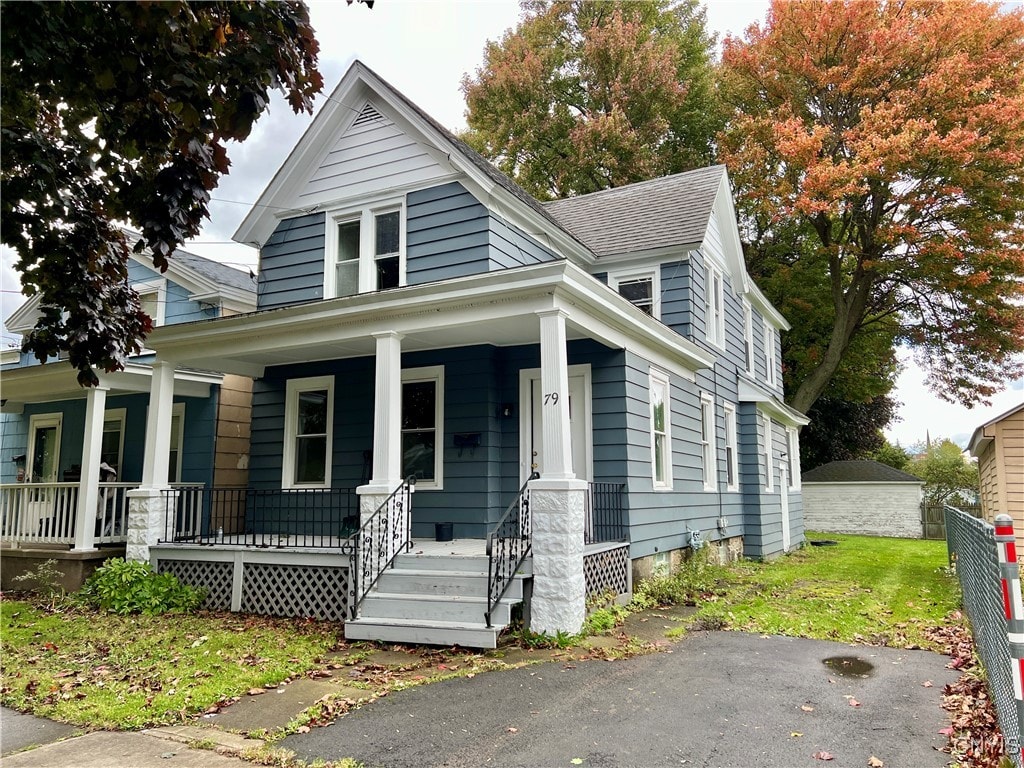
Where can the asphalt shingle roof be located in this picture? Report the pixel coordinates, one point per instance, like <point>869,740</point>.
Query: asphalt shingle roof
<point>862,471</point>
<point>664,212</point>
<point>219,273</point>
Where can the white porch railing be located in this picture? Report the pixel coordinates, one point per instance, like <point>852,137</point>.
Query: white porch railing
<point>45,513</point>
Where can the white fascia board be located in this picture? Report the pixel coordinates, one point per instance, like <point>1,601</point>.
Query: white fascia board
<point>759,301</point>
<point>21,320</point>
<point>419,300</point>
<point>479,298</point>
<point>728,229</point>
<point>979,442</point>
<point>643,258</point>
<point>749,392</point>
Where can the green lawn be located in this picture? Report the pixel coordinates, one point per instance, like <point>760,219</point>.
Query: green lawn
<point>102,670</point>
<point>867,589</point>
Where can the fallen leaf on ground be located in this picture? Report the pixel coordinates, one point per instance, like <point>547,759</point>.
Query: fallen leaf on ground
<point>854,702</point>
<point>795,735</point>
<point>256,691</point>
<point>303,729</point>
<point>510,729</point>
<point>577,761</point>
<point>874,762</point>
<point>926,684</point>
<point>806,708</point>
<point>823,755</point>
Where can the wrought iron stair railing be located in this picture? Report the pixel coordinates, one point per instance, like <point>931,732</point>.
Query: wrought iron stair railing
<point>508,544</point>
<point>385,535</point>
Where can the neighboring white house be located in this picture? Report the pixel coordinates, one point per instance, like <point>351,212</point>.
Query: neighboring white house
<point>864,497</point>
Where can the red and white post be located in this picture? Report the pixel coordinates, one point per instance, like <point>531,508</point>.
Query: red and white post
<point>1013,608</point>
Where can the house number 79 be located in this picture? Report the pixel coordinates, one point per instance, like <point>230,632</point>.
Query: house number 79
<point>551,397</point>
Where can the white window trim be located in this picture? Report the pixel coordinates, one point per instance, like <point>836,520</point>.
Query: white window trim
<point>159,287</point>
<point>661,380</point>
<point>714,323</point>
<point>748,335</point>
<point>434,373</point>
<point>732,459</point>
<point>653,273</point>
<point>793,442</point>
<point>364,214</point>
<point>709,449</point>
<point>291,420</point>
<point>770,377</point>
<point>120,415</point>
<point>769,484</point>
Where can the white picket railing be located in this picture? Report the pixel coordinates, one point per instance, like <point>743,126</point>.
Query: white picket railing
<point>46,513</point>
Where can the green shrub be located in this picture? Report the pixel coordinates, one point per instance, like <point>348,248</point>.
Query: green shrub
<point>129,586</point>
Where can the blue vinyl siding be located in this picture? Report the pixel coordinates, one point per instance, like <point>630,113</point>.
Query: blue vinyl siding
<point>510,247</point>
<point>676,296</point>
<point>178,308</point>
<point>446,234</point>
<point>13,440</point>
<point>292,263</point>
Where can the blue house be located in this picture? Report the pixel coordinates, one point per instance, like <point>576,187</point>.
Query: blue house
<point>579,390</point>
<point>69,456</point>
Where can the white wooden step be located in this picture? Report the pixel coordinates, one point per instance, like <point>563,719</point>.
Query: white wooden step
<point>477,635</point>
<point>473,563</point>
<point>438,582</point>
<point>467,609</point>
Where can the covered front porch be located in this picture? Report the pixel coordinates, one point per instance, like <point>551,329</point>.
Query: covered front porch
<point>471,386</point>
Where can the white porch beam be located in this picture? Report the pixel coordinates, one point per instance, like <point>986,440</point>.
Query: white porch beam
<point>387,411</point>
<point>554,378</point>
<point>158,426</point>
<point>88,492</point>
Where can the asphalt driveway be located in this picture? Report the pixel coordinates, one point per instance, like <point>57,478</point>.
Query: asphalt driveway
<point>715,699</point>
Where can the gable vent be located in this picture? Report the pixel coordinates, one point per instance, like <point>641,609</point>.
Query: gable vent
<point>368,115</point>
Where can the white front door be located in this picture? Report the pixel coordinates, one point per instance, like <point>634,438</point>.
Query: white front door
<point>784,504</point>
<point>531,401</point>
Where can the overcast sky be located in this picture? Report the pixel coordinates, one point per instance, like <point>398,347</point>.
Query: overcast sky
<point>424,48</point>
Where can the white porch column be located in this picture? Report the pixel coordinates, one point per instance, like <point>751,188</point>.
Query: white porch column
<point>88,492</point>
<point>557,499</point>
<point>148,505</point>
<point>387,425</point>
<point>554,382</point>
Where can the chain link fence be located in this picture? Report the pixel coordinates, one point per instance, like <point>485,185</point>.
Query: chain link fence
<point>973,553</point>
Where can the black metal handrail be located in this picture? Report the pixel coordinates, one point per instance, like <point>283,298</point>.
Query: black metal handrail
<point>513,538</point>
<point>383,537</point>
<point>605,519</point>
<point>258,517</point>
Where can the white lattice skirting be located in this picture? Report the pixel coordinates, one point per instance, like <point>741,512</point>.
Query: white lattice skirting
<point>291,583</point>
<point>608,570</point>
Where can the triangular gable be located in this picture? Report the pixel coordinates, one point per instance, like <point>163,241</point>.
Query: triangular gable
<point>324,152</point>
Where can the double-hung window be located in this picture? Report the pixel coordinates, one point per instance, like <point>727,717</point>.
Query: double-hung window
<point>770,359</point>
<point>793,456</point>
<point>423,425</point>
<point>731,459</point>
<point>661,432</point>
<point>309,415</point>
<point>709,465</point>
<point>769,483</point>
<point>714,306</point>
<point>365,250</point>
<point>641,288</point>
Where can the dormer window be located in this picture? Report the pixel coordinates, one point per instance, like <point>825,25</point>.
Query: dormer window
<point>365,250</point>
<point>641,288</point>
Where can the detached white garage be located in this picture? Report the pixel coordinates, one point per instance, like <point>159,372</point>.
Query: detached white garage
<point>864,497</point>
